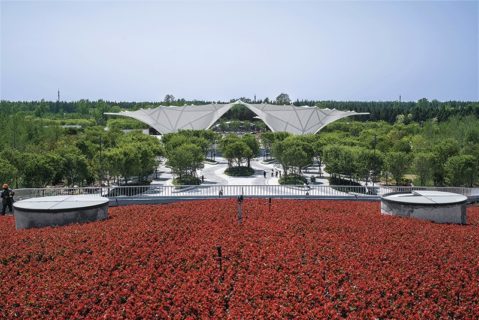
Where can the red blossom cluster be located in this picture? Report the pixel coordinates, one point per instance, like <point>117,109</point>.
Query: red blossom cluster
<point>299,259</point>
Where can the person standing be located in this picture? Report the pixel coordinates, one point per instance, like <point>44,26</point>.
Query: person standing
<point>7,198</point>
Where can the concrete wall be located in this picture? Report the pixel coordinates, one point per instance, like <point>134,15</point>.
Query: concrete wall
<point>38,219</point>
<point>455,213</point>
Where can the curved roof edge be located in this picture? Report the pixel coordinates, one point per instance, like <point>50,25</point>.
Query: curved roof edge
<point>289,118</point>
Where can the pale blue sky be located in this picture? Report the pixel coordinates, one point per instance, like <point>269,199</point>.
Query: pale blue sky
<point>216,50</point>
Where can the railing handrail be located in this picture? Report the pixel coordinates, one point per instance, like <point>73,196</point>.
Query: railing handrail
<point>204,191</point>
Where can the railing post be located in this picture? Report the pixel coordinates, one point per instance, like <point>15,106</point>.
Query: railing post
<point>240,209</point>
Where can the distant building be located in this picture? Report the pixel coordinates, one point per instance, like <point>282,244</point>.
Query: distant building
<point>292,119</point>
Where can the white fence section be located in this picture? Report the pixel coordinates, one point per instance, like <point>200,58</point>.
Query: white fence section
<point>214,191</point>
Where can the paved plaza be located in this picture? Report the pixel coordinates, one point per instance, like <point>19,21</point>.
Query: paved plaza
<point>213,174</point>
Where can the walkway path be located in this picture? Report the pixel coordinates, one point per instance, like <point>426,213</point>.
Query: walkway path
<point>214,174</point>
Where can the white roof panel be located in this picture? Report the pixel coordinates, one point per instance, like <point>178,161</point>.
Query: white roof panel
<point>295,120</point>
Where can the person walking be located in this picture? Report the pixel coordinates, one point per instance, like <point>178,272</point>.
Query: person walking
<point>7,198</point>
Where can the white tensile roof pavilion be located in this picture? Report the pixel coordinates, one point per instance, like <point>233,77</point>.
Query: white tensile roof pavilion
<point>292,119</point>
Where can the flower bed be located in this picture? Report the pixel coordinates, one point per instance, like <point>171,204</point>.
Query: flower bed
<point>303,259</point>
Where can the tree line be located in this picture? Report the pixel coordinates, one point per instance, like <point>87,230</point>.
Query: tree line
<point>427,154</point>
<point>37,155</point>
<point>432,153</point>
<point>39,148</point>
<point>419,111</point>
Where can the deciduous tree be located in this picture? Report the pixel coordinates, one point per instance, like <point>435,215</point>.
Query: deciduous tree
<point>283,98</point>
<point>397,163</point>
<point>461,170</point>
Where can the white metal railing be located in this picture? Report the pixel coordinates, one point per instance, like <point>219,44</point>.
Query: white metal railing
<point>205,191</point>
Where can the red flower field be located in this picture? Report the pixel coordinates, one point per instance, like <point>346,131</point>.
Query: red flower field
<point>301,260</point>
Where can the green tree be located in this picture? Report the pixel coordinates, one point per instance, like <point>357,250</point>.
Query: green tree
<point>130,163</point>
<point>284,151</point>
<point>148,161</point>
<point>402,145</point>
<point>237,152</point>
<point>342,160</point>
<point>172,141</point>
<point>226,141</point>
<point>99,110</point>
<point>137,138</point>
<point>268,138</point>
<point>423,164</point>
<point>442,151</point>
<point>37,170</point>
<point>76,169</point>
<point>253,145</point>
<point>397,163</point>
<point>202,138</point>
<point>422,103</point>
<point>316,143</point>
<point>368,162</point>
<point>14,158</point>
<point>112,159</point>
<point>125,123</point>
<point>461,170</point>
<point>294,156</point>
<point>185,160</point>
<point>332,155</point>
<point>8,172</point>
<point>283,98</point>
<point>41,109</point>
<point>169,98</point>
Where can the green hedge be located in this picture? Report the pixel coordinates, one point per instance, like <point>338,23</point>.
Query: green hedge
<point>343,183</point>
<point>186,181</point>
<point>239,171</point>
<point>292,179</point>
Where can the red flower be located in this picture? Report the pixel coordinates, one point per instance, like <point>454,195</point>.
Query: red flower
<point>302,259</point>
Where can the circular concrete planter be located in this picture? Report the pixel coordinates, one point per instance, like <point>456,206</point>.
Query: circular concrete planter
<point>440,207</point>
<point>59,211</point>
